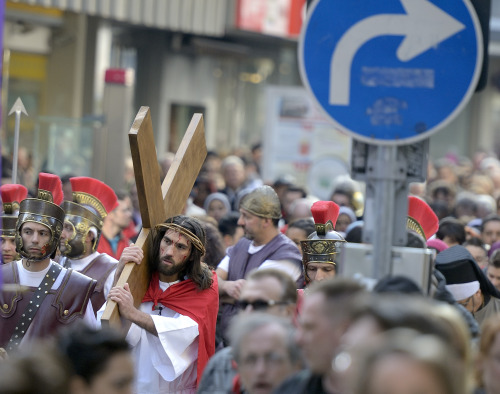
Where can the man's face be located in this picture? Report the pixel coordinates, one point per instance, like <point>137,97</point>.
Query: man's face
<point>290,197</point>
<point>116,378</point>
<point>472,303</point>
<point>343,222</point>
<point>260,291</point>
<point>399,373</point>
<point>36,238</point>
<point>216,209</point>
<point>491,232</point>
<point>251,224</point>
<point>341,200</point>
<point>318,334</point>
<point>8,249</point>
<point>67,234</point>
<point>234,176</point>
<point>264,360</point>
<point>175,249</point>
<point>479,254</point>
<point>320,271</point>
<point>494,275</point>
<point>122,214</point>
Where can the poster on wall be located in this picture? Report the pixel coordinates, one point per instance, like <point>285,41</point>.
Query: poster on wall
<point>274,17</point>
<point>301,144</point>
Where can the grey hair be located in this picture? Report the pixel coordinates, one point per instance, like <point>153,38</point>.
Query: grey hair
<point>244,324</point>
<point>232,160</point>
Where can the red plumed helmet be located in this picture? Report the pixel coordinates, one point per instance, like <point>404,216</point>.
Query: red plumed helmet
<point>93,192</point>
<point>12,195</point>
<point>421,218</point>
<point>324,211</point>
<point>50,188</point>
<point>322,246</point>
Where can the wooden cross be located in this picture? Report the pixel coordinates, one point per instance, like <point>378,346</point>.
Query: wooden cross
<point>157,203</point>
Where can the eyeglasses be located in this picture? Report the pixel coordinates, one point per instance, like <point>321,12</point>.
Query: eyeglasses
<point>259,305</point>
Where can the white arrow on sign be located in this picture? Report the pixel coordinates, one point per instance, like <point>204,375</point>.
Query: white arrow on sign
<point>424,25</point>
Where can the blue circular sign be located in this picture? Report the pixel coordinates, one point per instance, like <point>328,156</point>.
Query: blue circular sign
<point>394,71</point>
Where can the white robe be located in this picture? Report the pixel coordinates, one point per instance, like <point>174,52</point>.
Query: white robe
<point>166,363</point>
<point>33,279</point>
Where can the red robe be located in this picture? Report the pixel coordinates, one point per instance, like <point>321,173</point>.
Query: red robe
<point>200,305</point>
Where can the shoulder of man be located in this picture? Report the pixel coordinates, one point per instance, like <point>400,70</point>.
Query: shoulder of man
<point>100,268</point>
<point>219,373</point>
<point>74,293</point>
<point>105,259</point>
<point>287,248</point>
<point>286,241</point>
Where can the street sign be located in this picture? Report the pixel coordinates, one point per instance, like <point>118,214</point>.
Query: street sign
<point>391,72</point>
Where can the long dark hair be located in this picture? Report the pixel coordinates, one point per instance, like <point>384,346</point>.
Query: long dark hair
<point>195,270</point>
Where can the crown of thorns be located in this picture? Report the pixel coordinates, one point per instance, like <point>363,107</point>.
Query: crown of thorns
<point>184,231</point>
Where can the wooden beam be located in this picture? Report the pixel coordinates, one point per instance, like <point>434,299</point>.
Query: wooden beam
<point>157,202</point>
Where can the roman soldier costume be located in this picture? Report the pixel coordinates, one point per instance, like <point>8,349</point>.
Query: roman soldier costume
<point>322,246</point>
<point>60,297</point>
<point>92,200</point>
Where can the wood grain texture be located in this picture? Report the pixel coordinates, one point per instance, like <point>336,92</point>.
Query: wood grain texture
<point>188,160</point>
<point>146,169</point>
<point>157,201</point>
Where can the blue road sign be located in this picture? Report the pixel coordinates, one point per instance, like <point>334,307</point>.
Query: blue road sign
<point>394,71</point>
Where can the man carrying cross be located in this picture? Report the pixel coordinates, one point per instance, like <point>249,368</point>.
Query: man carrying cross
<point>173,330</point>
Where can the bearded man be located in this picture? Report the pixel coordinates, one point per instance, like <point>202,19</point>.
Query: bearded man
<point>173,331</point>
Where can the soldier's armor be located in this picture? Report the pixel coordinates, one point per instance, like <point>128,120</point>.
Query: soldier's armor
<point>59,308</point>
<point>99,269</point>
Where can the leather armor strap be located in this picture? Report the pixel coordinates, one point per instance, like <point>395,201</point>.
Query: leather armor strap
<point>33,306</point>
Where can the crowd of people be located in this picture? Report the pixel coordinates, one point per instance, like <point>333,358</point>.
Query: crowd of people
<point>244,292</point>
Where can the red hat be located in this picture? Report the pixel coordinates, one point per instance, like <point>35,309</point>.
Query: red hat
<point>50,188</point>
<point>93,192</point>
<point>324,212</point>
<point>421,218</point>
<point>12,195</point>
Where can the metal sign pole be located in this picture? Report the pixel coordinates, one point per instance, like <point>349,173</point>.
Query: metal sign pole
<point>387,170</point>
<point>385,212</point>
